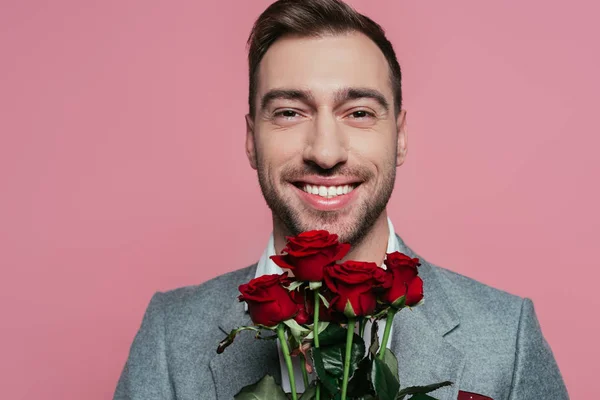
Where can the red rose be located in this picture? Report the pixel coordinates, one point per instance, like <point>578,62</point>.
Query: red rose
<point>354,285</point>
<point>405,282</point>
<point>309,252</point>
<point>269,303</point>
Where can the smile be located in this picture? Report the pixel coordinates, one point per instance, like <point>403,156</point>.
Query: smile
<point>327,197</point>
<point>327,192</point>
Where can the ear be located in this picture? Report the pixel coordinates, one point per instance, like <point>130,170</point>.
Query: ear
<point>250,148</point>
<point>402,145</point>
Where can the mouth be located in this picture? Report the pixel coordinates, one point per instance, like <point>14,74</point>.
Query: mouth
<point>326,192</point>
<point>327,197</point>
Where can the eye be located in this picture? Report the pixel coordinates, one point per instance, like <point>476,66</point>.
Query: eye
<point>287,114</point>
<point>361,114</point>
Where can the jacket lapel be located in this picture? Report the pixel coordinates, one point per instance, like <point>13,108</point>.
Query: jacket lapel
<point>425,356</point>
<point>245,361</point>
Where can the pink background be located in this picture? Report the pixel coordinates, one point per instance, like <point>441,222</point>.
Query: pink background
<point>122,169</point>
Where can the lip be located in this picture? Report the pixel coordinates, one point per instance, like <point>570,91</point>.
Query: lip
<point>321,203</point>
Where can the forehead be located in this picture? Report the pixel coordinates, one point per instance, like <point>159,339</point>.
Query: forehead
<point>325,64</point>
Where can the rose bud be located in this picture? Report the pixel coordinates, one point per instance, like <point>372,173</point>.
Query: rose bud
<point>269,303</point>
<point>309,252</point>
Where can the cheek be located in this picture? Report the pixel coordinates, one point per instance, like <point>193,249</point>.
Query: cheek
<point>374,146</point>
<point>278,149</point>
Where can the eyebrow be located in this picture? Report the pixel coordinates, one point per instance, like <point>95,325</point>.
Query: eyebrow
<point>286,94</point>
<point>346,94</point>
<point>340,96</point>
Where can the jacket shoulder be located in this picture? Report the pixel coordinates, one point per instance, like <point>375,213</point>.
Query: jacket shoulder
<point>206,299</point>
<point>178,339</point>
<point>476,300</point>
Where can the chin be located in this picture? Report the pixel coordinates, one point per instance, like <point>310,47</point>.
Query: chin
<point>342,225</point>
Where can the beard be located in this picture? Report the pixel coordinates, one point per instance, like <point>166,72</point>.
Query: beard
<point>302,218</point>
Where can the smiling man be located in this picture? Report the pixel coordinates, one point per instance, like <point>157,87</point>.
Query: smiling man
<point>326,131</point>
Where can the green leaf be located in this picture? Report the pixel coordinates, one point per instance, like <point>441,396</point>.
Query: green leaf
<point>392,362</point>
<point>423,389</point>
<point>265,389</point>
<point>333,360</point>
<point>324,300</point>
<point>329,358</point>
<point>297,330</point>
<point>360,384</point>
<point>334,334</point>
<point>322,326</point>
<point>328,381</point>
<point>385,383</point>
<point>333,351</point>
<point>338,351</point>
<point>358,352</point>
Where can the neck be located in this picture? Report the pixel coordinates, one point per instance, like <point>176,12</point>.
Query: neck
<point>372,248</point>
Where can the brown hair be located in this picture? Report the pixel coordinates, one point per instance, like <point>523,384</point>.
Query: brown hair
<point>315,18</point>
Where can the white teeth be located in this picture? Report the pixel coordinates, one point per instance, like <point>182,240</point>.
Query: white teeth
<point>328,191</point>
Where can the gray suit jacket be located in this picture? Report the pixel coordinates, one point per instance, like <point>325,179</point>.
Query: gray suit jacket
<point>484,340</point>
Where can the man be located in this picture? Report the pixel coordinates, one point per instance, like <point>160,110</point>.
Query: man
<point>325,132</point>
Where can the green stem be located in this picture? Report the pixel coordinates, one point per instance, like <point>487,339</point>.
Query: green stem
<point>386,333</point>
<point>316,336</point>
<point>316,320</point>
<point>288,359</point>
<point>349,337</point>
<point>304,373</point>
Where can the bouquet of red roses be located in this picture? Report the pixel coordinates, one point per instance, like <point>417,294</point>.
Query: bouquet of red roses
<point>319,312</point>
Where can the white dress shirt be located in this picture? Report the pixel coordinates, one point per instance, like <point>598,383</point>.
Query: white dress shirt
<point>266,266</point>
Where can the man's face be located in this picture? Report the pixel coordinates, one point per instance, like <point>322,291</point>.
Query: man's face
<point>325,139</point>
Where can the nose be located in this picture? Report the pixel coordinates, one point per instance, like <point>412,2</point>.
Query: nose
<point>326,145</point>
